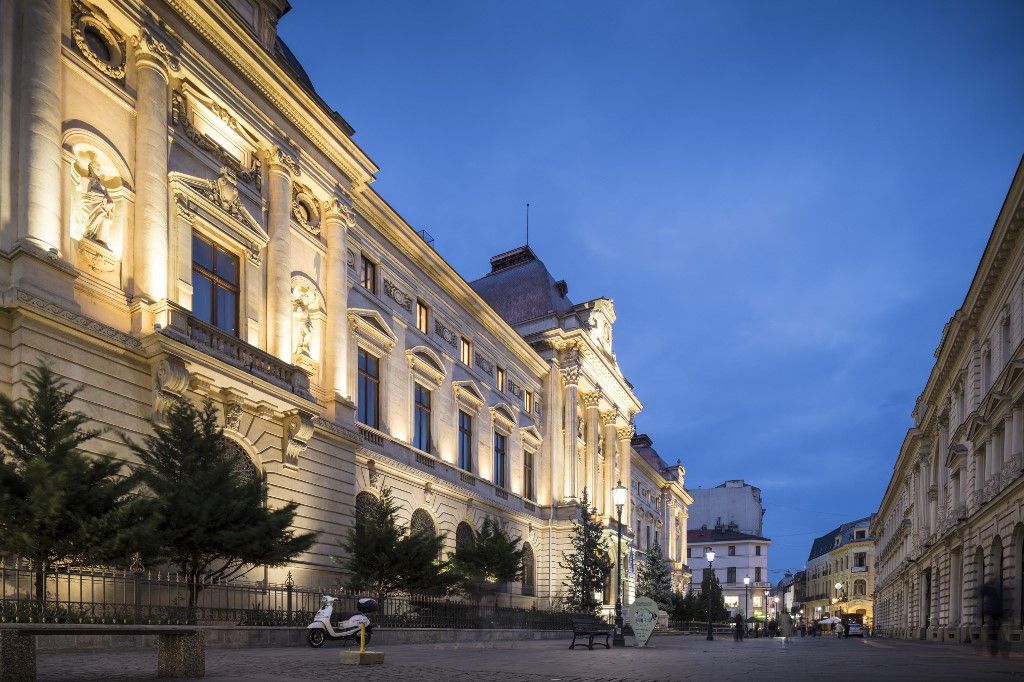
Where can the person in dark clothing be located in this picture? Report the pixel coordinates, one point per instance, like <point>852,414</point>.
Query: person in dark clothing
<point>738,635</point>
<point>992,615</point>
<point>846,628</point>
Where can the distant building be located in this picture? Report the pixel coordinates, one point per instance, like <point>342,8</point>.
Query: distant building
<point>734,504</point>
<point>843,557</point>
<point>737,556</point>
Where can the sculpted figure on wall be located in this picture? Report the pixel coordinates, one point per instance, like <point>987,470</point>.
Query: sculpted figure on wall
<point>95,203</point>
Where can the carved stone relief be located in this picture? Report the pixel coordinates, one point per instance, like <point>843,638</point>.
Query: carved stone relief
<point>97,41</point>
<point>305,209</point>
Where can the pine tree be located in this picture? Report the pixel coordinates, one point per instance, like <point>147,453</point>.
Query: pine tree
<point>211,520</point>
<point>588,564</point>
<point>382,557</point>
<point>489,559</point>
<point>709,583</point>
<point>59,505</point>
<point>654,579</point>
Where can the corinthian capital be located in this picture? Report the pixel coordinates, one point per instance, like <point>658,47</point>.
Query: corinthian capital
<point>336,209</point>
<point>625,432</point>
<point>280,157</point>
<point>590,399</point>
<point>571,373</point>
<point>151,45</point>
<point>609,417</point>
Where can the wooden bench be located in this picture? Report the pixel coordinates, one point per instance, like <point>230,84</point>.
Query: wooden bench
<point>590,627</point>
<point>181,649</point>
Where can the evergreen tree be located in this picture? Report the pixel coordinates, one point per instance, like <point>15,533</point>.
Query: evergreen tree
<point>59,505</point>
<point>709,583</point>
<point>382,557</point>
<point>588,564</point>
<point>487,560</point>
<point>684,607</point>
<point>654,580</point>
<point>211,520</point>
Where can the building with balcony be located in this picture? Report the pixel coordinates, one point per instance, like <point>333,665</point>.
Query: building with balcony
<point>183,216</point>
<point>844,556</point>
<point>737,556</point>
<point>950,527</point>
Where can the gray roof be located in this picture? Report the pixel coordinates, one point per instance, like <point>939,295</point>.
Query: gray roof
<point>826,543</point>
<point>520,288</point>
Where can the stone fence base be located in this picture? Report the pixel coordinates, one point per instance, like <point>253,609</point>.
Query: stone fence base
<point>234,637</point>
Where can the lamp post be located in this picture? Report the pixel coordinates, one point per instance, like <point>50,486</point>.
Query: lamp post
<point>746,602</point>
<point>709,554</point>
<point>619,499</point>
<point>778,616</point>
<point>839,600</point>
<point>767,593</point>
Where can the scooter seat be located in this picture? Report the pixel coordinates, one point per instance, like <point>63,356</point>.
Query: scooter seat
<point>343,616</point>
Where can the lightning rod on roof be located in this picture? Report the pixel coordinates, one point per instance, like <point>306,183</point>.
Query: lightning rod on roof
<point>527,223</point>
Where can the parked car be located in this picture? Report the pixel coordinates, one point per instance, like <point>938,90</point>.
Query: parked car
<point>856,630</point>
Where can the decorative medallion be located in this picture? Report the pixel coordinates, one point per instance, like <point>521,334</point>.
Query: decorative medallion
<point>103,47</point>
<point>305,209</point>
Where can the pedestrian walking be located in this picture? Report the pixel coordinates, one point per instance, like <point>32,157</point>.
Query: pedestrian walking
<point>992,615</point>
<point>786,623</point>
<point>738,635</point>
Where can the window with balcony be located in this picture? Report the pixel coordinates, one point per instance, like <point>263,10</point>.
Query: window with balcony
<point>368,407</point>
<point>465,441</point>
<point>368,274</point>
<point>860,560</point>
<point>421,418</point>
<point>215,278</point>
<point>528,491</point>
<point>500,460</point>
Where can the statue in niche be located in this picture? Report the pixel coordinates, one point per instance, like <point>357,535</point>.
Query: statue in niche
<point>96,205</point>
<point>303,305</point>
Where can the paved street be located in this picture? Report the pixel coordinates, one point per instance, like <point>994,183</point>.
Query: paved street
<point>673,658</point>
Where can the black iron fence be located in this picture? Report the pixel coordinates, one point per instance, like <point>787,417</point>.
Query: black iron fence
<point>101,595</point>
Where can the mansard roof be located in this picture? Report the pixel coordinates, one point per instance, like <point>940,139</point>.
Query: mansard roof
<point>827,542</point>
<point>520,288</point>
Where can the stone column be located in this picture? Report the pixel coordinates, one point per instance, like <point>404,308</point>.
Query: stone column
<point>624,473</point>
<point>338,217</point>
<point>591,435</point>
<point>279,267</point>
<point>1015,439</point>
<point>1007,453</point>
<point>605,474</point>
<point>150,235</point>
<point>41,121</point>
<point>571,376</point>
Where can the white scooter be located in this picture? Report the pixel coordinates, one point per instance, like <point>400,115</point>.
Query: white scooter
<point>344,626</point>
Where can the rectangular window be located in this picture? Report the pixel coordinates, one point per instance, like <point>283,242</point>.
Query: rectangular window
<point>500,459</point>
<point>368,274</point>
<point>369,389</point>
<point>423,317</point>
<point>465,441</point>
<point>689,552</point>
<point>861,534</point>
<point>214,285</point>
<point>648,546</point>
<point>757,550</point>
<point>466,351</point>
<point>499,378</point>
<point>732,550</point>
<point>528,402</point>
<point>421,418</point>
<point>757,574</point>
<point>860,559</point>
<point>730,575</point>
<point>528,474</point>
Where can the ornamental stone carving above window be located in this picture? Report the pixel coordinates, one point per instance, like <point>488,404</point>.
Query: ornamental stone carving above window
<point>100,44</point>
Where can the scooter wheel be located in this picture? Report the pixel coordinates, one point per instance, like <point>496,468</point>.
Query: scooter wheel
<point>315,638</point>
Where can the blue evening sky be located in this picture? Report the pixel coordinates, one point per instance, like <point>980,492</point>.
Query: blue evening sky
<point>786,200</point>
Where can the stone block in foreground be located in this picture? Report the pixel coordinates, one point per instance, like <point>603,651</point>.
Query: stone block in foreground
<point>355,657</point>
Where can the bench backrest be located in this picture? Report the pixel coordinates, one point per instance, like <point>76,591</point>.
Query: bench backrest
<point>586,621</point>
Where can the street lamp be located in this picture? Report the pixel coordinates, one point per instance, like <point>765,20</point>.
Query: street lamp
<point>709,554</point>
<point>767,593</point>
<point>619,499</point>
<point>778,616</point>
<point>746,602</point>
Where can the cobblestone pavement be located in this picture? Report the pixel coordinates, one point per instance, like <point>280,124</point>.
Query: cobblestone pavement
<point>672,658</point>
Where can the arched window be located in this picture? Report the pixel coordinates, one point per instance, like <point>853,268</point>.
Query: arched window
<point>860,588</point>
<point>243,465</point>
<point>529,571</point>
<point>463,537</point>
<point>422,523</point>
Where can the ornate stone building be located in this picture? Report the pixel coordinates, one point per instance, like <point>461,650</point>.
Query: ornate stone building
<point>183,215</point>
<point>952,518</point>
<point>843,557</point>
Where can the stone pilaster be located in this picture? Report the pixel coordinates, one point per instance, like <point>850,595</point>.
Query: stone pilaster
<point>280,166</point>
<point>606,468</point>
<point>624,473</point>
<point>41,117</point>
<point>591,435</point>
<point>338,218</point>
<point>571,377</point>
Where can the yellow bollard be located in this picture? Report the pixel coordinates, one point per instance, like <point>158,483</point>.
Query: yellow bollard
<point>362,638</point>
